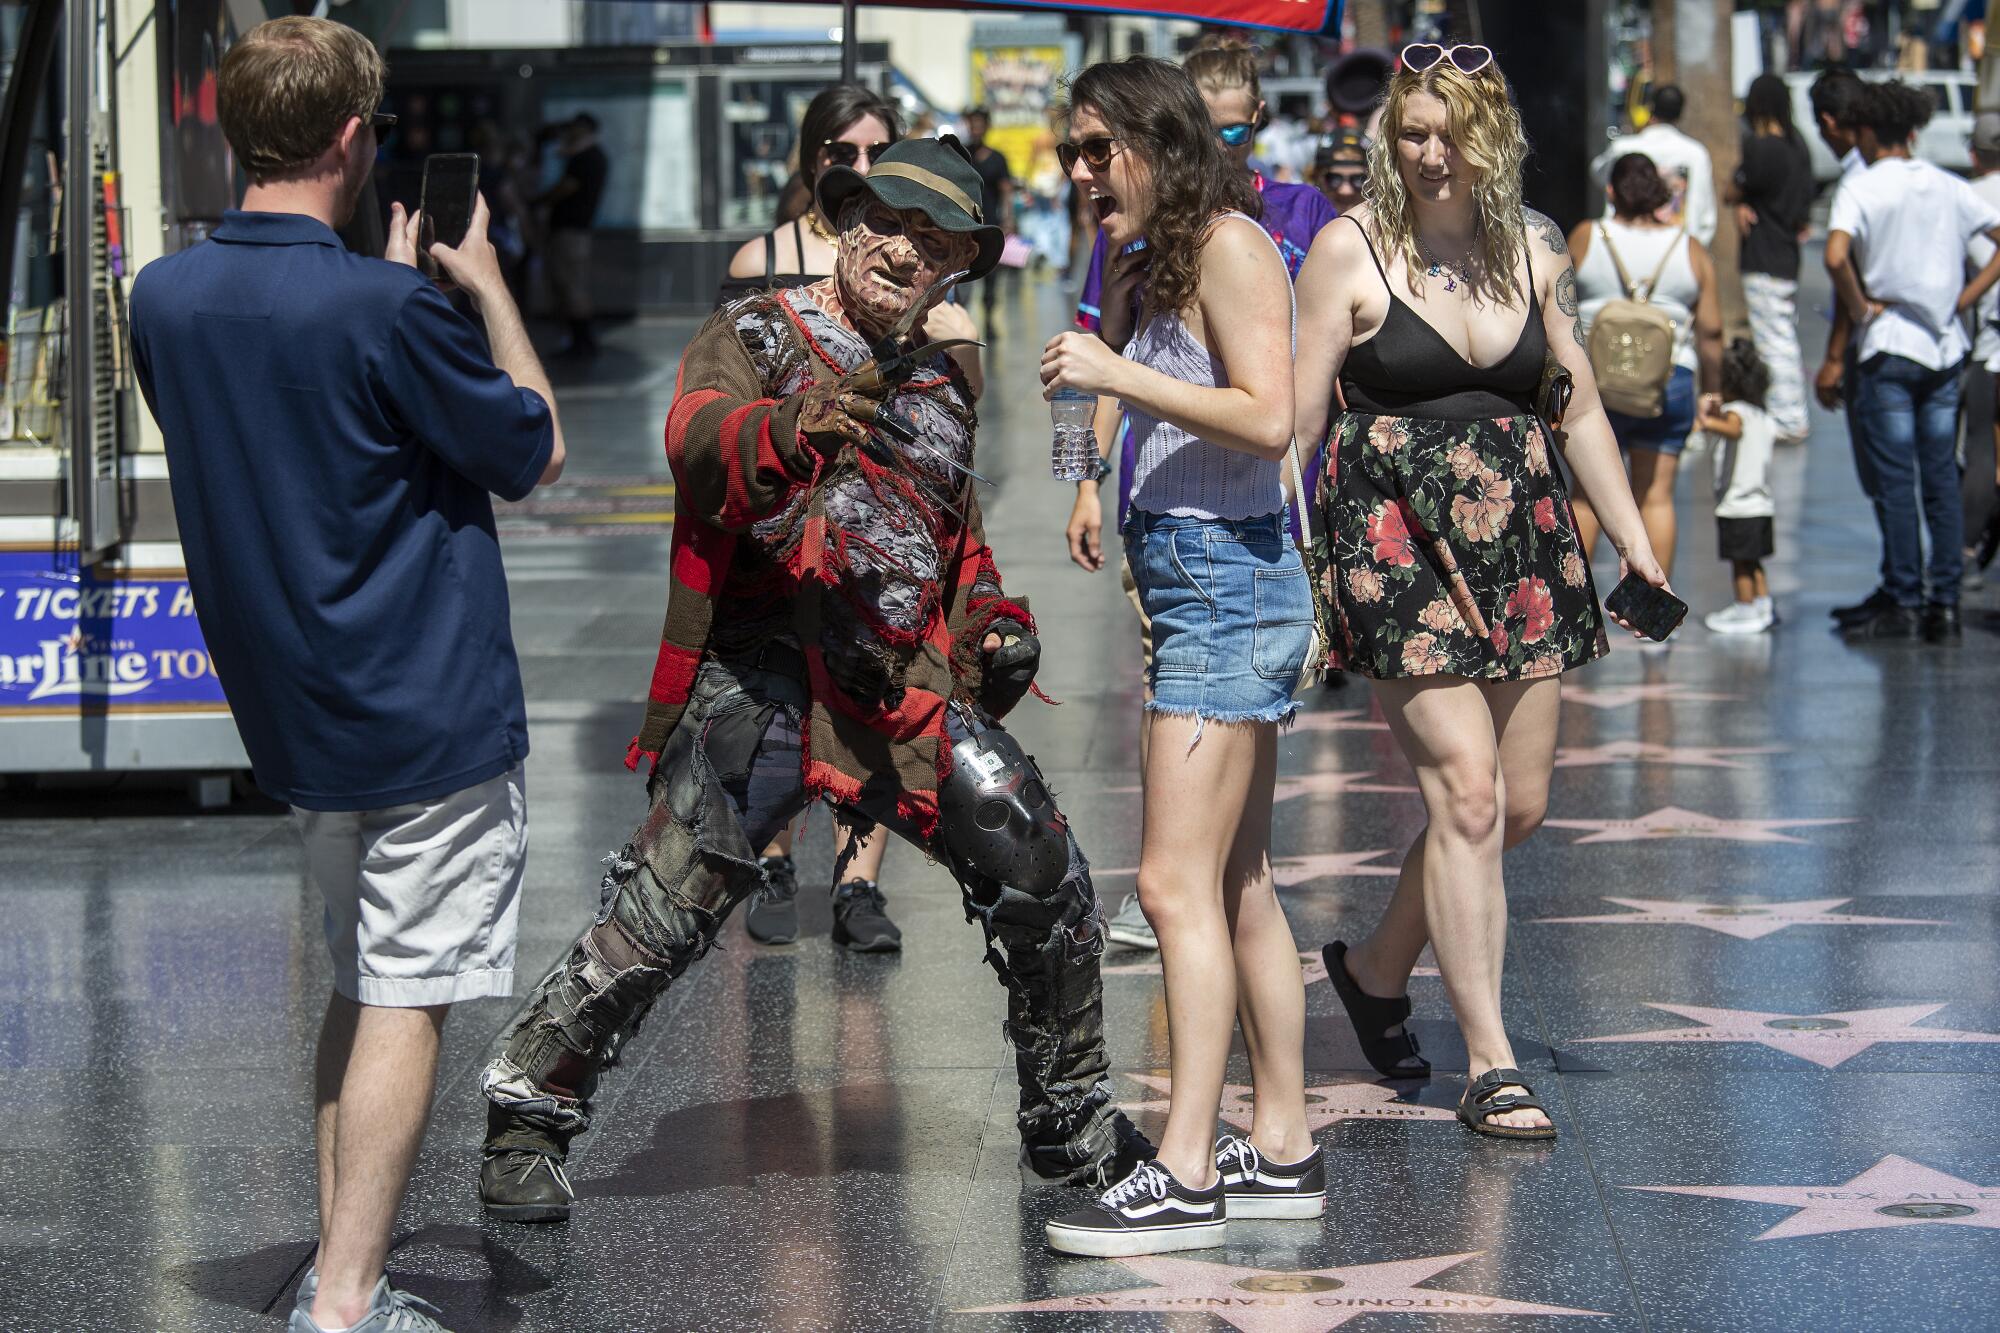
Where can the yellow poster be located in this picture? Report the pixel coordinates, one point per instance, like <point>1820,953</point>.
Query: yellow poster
<point>1018,85</point>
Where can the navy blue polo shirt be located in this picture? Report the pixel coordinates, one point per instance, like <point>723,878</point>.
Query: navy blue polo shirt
<point>334,432</point>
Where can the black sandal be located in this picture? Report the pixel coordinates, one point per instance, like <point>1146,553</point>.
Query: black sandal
<point>1371,1015</point>
<point>1483,1098</point>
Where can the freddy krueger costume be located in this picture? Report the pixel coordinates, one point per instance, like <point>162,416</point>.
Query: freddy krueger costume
<point>836,631</point>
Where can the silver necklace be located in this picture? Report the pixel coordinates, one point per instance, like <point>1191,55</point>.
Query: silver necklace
<point>1453,272</point>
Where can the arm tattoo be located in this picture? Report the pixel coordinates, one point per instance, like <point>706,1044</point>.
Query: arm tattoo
<point>1545,226</point>
<point>1566,302</point>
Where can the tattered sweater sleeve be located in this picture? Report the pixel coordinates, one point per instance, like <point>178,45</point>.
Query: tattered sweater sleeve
<point>736,455</point>
<point>979,600</point>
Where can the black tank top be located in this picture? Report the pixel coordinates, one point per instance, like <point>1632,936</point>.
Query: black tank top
<point>1408,370</point>
<point>735,289</point>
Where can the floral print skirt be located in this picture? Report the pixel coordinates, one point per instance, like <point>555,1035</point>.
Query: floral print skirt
<point>1449,548</point>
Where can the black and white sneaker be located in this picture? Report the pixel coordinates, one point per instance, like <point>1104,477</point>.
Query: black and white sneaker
<point>1148,1212</point>
<point>1256,1186</point>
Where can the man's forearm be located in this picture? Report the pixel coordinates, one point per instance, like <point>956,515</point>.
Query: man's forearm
<point>1980,283</point>
<point>1847,287</point>
<point>512,351</point>
<point>1839,333</point>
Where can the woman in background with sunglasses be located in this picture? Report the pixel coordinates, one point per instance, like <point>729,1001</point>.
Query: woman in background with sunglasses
<point>1207,382</point>
<point>1457,581</point>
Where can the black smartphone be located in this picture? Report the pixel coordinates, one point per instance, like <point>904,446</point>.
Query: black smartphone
<point>451,189</point>
<point>1654,612</point>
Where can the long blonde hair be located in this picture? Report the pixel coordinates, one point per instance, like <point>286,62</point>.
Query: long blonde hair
<point>1487,133</point>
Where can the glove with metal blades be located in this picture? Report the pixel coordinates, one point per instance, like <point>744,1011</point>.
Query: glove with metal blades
<point>1010,668</point>
<point>835,415</point>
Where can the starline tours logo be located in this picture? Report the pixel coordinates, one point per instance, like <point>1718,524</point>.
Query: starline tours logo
<point>143,644</point>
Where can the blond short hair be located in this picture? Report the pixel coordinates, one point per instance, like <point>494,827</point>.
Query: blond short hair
<point>288,86</point>
<point>1487,132</point>
<point>1220,64</point>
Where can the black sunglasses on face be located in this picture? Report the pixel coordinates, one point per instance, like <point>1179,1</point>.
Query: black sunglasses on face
<point>1353,180</point>
<point>844,154</point>
<point>1095,152</point>
<point>381,122</point>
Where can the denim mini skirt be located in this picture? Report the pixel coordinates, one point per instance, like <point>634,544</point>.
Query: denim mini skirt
<point>1231,611</point>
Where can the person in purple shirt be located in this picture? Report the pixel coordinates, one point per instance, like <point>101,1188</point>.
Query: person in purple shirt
<point>1226,74</point>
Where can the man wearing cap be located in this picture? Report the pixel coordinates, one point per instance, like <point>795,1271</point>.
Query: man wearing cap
<point>836,631</point>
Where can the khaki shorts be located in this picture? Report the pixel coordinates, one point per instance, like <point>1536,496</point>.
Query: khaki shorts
<point>422,899</point>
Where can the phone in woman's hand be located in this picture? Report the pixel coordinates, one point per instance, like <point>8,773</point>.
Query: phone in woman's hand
<point>1654,612</point>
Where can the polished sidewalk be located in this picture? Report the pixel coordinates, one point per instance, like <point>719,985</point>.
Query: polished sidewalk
<point>1754,969</point>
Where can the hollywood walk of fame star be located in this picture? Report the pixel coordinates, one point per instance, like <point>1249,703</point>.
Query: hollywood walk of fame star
<point>1312,968</point>
<point>1327,1104</point>
<point>1266,1300</point>
<point>1746,921</point>
<point>1340,719</point>
<point>1289,871</point>
<point>1827,1040</point>
<point>1673,822</point>
<point>1618,696</point>
<point>1895,1192</point>
<point>1311,784</point>
<point>1645,752</point>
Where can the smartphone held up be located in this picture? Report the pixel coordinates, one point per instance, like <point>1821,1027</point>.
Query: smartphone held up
<point>450,194</point>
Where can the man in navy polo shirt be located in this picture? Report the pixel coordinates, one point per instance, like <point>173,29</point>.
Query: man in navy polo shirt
<point>335,431</point>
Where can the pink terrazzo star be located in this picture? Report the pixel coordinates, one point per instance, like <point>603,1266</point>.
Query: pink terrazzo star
<point>1292,870</point>
<point>1644,752</point>
<point>1673,822</point>
<point>1312,968</point>
<point>1340,719</point>
<point>1266,1300</point>
<point>1311,784</point>
<point>1327,1104</point>
<point>1618,696</point>
<point>1828,1040</point>
<point>1752,921</point>
<point>1895,1192</point>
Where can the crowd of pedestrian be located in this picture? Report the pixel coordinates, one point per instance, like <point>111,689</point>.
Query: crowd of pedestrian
<point>1450,397</point>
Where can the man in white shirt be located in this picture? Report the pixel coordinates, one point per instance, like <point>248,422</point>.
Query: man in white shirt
<point>1835,95</point>
<point>1897,240</point>
<point>1982,392</point>
<point>1682,160</point>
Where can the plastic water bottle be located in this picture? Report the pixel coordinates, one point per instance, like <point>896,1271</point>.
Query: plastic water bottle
<point>1073,457</point>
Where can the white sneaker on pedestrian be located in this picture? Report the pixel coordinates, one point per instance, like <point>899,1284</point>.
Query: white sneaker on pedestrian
<point>1741,618</point>
<point>1130,927</point>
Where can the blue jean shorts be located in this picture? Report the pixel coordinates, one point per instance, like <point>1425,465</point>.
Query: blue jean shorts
<point>1666,433</point>
<point>1231,614</point>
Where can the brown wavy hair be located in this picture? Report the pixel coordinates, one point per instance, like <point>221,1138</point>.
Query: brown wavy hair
<point>1155,110</point>
<point>1487,132</point>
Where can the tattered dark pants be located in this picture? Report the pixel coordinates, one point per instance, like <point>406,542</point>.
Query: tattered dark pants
<point>728,780</point>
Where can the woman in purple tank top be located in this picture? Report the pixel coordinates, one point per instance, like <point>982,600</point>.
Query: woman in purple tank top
<point>1207,383</point>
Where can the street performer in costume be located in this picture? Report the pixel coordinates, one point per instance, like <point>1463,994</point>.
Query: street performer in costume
<point>836,631</point>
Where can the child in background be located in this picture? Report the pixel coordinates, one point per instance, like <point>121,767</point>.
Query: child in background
<point>1743,510</point>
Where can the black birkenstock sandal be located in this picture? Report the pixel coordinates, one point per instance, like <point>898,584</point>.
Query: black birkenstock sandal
<point>1371,1015</point>
<point>1483,1098</point>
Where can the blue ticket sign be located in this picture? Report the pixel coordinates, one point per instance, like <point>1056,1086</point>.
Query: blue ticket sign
<point>72,639</point>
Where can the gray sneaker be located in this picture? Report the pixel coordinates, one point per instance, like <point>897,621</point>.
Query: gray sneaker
<point>389,1311</point>
<point>1130,927</point>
